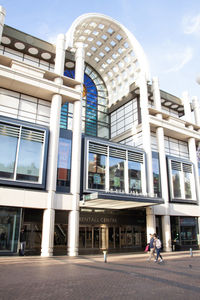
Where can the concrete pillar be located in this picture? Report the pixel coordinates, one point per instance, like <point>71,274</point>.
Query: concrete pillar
<point>198,232</point>
<point>150,221</point>
<point>193,158</point>
<point>166,233</point>
<point>146,133</point>
<point>73,224</point>
<point>2,19</point>
<point>49,213</point>
<point>156,94</point>
<point>187,106</point>
<point>195,104</point>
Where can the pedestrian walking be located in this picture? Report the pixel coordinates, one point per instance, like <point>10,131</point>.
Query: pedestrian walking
<point>151,247</point>
<point>158,246</point>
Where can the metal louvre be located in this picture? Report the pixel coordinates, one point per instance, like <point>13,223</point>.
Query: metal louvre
<point>32,135</point>
<point>98,148</point>
<point>9,130</point>
<point>135,156</point>
<point>118,153</point>
<point>187,168</point>
<point>176,165</point>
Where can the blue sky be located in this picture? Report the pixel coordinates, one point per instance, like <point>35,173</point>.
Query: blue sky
<point>168,31</point>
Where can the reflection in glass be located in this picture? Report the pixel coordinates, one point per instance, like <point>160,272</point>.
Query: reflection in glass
<point>94,105</point>
<point>156,174</point>
<point>64,163</point>
<point>8,151</point>
<point>176,183</point>
<point>187,183</point>
<point>116,167</point>
<point>29,160</point>
<point>9,229</point>
<point>134,174</point>
<point>96,171</point>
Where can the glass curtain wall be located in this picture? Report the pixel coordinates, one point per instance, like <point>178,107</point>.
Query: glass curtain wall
<point>94,105</point>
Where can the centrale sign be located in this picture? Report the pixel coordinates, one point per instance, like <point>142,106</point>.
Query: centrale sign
<point>98,220</point>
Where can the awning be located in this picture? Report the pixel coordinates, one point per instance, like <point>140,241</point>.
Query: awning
<point>118,200</point>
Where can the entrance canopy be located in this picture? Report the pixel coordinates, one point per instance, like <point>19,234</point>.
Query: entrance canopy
<point>111,49</point>
<point>117,201</point>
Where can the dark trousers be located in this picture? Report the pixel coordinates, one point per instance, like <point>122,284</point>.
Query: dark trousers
<point>158,253</point>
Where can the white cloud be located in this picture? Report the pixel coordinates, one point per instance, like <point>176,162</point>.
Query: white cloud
<point>179,59</point>
<point>191,24</point>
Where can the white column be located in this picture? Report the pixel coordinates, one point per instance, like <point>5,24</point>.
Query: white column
<point>49,213</point>
<point>193,158</point>
<point>195,103</point>
<point>146,133</point>
<point>73,224</point>
<point>198,234</point>
<point>166,232</point>
<point>187,106</point>
<point>2,19</point>
<point>156,93</point>
<point>150,221</point>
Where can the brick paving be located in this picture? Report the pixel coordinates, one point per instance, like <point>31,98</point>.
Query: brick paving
<point>124,276</point>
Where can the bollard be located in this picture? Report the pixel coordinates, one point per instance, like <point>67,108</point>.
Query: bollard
<point>105,256</point>
<point>191,254</point>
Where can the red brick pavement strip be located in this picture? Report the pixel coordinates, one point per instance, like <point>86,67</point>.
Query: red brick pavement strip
<point>127,276</point>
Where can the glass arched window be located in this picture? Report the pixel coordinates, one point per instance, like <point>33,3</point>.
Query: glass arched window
<point>95,120</point>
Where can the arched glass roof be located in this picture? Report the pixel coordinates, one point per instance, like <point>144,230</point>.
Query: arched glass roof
<point>112,50</point>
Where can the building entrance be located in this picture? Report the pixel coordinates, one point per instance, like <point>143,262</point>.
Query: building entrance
<point>117,232</point>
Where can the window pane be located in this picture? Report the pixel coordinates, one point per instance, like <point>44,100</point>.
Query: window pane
<point>176,183</point>
<point>187,179</point>
<point>29,161</point>
<point>7,156</point>
<point>64,163</point>
<point>116,174</point>
<point>96,169</point>
<point>134,174</point>
<point>156,176</point>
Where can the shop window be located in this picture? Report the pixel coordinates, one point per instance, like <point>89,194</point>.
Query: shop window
<point>114,168</point>
<point>135,161</point>
<point>182,184</point>
<point>23,153</point>
<point>9,229</point>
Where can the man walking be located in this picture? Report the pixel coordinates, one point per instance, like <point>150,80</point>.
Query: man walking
<point>151,247</point>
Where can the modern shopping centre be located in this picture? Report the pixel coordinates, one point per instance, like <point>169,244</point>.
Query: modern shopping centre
<point>93,154</point>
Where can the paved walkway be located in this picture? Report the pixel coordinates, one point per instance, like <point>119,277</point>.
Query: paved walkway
<point>124,276</point>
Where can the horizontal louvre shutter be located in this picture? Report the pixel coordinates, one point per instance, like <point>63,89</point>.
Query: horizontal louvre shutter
<point>187,168</point>
<point>97,148</point>
<point>9,130</point>
<point>176,165</point>
<point>119,153</point>
<point>32,135</point>
<point>135,156</point>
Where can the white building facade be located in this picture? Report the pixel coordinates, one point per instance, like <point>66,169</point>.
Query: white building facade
<point>93,155</point>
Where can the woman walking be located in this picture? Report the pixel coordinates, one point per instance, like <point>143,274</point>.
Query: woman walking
<point>158,245</point>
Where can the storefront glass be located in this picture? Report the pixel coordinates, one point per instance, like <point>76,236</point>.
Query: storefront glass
<point>184,233</point>
<point>112,231</point>
<point>9,229</point>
